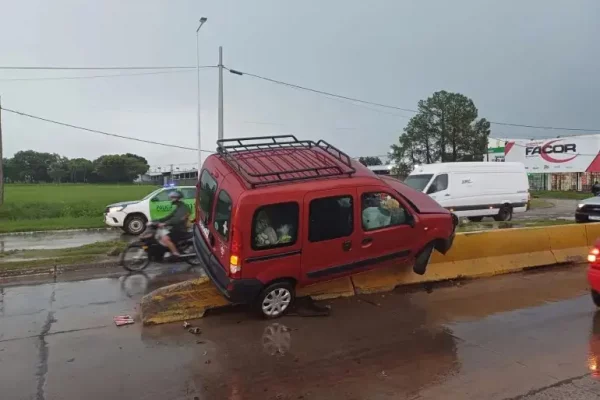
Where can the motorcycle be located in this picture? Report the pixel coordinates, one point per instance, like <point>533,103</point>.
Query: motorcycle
<point>141,252</point>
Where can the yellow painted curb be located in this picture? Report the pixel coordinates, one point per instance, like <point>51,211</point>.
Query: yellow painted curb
<point>181,301</point>
<point>341,287</point>
<point>568,242</point>
<point>474,254</point>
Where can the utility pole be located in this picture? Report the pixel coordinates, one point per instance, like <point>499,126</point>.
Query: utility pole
<point>202,21</point>
<point>1,160</point>
<point>220,92</point>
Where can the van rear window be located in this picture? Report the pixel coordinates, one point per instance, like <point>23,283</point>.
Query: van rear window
<point>207,190</point>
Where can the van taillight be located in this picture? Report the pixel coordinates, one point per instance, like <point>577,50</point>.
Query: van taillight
<point>235,251</point>
<point>593,256</point>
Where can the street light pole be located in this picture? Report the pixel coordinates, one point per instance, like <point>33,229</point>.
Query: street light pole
<point>202,21</point>
<point>220,93</point>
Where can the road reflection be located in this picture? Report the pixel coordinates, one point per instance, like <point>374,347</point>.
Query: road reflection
<point>343,356</point>
<point>136,284</point>
<point>593,360</point>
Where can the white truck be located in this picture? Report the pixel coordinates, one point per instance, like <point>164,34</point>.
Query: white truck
<point>475,189</point>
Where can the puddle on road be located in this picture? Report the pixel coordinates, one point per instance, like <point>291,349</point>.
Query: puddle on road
<point>57,240</point>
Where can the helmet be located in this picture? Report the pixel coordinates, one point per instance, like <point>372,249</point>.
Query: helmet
<point>175,195</point>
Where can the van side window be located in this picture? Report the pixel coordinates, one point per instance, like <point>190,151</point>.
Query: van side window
<point>275,225</point>
<point>207,187</point>
<point>380,210</point>
<point>439,183</point>
<point>330,218</point>
<point>222,222</point>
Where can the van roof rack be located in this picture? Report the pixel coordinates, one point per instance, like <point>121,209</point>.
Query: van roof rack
<point>267,160</point>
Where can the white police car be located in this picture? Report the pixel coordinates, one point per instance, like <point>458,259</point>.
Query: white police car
<point>132,216</point>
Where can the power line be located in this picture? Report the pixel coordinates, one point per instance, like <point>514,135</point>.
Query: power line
<point>237,72</point>
<point>61,78</point>
<point>60,68</point>
<point>334,95</point>
<point>101,132</point>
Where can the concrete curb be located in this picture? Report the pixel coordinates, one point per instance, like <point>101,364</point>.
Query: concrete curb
<point>474,255</point>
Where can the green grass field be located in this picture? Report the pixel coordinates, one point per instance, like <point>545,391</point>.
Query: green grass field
<point>37,207</point>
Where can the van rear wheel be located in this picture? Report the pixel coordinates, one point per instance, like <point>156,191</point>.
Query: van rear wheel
<point>505,213</point>
<point>276,299</point>
<point>595,297</point>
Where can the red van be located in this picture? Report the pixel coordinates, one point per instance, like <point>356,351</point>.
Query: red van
<point>276,213</point>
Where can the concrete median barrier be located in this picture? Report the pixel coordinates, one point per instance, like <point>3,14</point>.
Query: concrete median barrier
<point>474,254</point>
<point>568,242</point>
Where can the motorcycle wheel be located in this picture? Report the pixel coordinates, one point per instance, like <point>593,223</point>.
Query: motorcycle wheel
<point>135,258</point>
<point>188,248</point>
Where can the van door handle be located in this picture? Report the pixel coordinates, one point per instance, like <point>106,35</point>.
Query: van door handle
<point>347,245</point>
<point>447,194</point>
<point>367,241</point>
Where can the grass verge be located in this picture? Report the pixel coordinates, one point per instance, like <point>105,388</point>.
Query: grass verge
<point>490,225</point>
<point>50,224</point>
<point>42,259</point>
<point>552,194</point>
<point>541,203</point>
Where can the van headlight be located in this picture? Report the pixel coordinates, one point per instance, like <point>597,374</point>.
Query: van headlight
<point>580,205</point>
<point>116,209</point>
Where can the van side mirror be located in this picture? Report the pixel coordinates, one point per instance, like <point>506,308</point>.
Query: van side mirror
<point>154,199</point>
<point>432,189</point>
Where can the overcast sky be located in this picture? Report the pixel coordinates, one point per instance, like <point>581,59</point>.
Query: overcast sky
<point>531,62</point>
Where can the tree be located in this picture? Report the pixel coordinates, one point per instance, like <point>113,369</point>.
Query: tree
<point>80,169</point>
<point>119,168</point>
<point>59,169</point>
<point>445,129</point>
<point>369,161</point>
<point>33,166</point>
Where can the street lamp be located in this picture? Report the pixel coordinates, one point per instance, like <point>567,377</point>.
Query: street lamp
<point>202,21</point>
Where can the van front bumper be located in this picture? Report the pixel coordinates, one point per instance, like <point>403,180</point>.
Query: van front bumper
<point>239,291</point>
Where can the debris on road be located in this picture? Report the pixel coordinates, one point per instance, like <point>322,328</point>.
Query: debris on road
<point>186,324</point>
<point>195,331</point>
<point>121,320</point>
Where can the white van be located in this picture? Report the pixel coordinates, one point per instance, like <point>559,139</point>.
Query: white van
<point>475,189</point>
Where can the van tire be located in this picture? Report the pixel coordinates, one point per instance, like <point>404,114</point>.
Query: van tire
<point>595,297</point>
<point>505,213</point>
<point>422,259</point>
<point>475,219</point>
<point>276,299</point>
<point>135,224</point>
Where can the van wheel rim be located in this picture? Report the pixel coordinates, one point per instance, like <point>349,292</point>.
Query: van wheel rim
<point>276,302</point>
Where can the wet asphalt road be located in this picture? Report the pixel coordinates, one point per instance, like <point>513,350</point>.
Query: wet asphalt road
<point>524,336</point>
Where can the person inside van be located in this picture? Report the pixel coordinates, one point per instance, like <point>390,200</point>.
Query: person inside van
<point>596,188</point>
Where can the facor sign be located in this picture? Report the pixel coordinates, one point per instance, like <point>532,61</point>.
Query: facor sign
<point>574,154</point>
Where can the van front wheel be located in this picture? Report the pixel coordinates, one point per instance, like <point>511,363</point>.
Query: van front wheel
<point>276,299</point>
<point>505,214</point>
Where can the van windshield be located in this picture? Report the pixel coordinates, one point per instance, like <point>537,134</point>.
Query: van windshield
<point>206,194</point>
<point>418,182</point>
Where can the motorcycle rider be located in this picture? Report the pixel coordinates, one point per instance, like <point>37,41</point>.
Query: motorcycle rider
<point>177,220</point>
